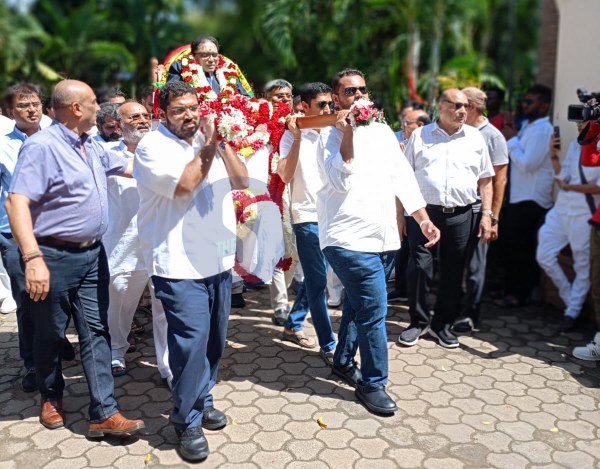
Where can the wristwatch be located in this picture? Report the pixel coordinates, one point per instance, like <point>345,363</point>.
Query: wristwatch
<point>491,215</point>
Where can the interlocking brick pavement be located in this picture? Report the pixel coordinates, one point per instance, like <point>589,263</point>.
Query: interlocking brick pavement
<point>511,396</point>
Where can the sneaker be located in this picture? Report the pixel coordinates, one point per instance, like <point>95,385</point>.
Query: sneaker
<point>396,296</point>
<point>410,336</point>
<point>237,300</point>
<point>463,325</point>
<point>445,337</point>
<point>567,324</point>
<point>8,305</point>
<point>591,351</point>
<point>192,444</point>
<point>334,302</point>
<point>280,316</point>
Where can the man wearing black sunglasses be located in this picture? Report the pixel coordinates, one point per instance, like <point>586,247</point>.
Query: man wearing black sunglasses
<point>451,161</point>
<point>364,172</point>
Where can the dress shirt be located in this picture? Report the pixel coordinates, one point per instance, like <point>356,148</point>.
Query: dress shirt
<point>121,240</point>
<point>67,187</point>
<point>356,204</point>
<point>190,236</point>
<point>10,145</point>
<point>448,167</point>
<point>530,165</point>
<point>572,203</point>
<point>306,181</point>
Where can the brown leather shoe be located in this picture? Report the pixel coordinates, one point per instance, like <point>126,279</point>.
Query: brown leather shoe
<point>52,415</point>
<point>116,424</point>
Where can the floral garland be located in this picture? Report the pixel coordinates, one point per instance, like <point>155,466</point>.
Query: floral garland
<point>191,72</point>
<point>364,112</point>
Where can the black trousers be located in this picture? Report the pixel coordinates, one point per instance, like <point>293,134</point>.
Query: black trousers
<point>521,224</point>
<point>455,231</point>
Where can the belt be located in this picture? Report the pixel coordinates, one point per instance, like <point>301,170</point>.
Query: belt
<point>59,243</point>
<point>441,208</point>
<point>7,235</point>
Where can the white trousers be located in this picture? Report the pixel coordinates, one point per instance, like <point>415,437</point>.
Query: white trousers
<point>334,286</point>
<point>125,291</point>
<point>5,291</point>
<point>557,232</point>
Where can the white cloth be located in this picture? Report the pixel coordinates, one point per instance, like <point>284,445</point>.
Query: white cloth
<point>356,205</point>
<point>45,121</point>
<point>574,203</point>
<point>5,291</point>
<point>189,236</point>
<point>6,125</point>
<point>121,240</point>
<point>125,290</point>
<point>530,165</point>
<point>557,231</point>
<point>448,167</point>
<point>306,182</point>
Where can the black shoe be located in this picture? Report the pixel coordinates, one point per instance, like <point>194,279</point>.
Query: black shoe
<point>68,351</point>
<point>279,317</point>
<point>29,383</point>
<point>349,373</point>
<point>213,419</point>
<point>192,444</point>
<point>445,337</point>
<point>237,300</point>
<point>567,324</point>
<point>463,325</point>
<point>410,336</point>
<point>376,399</point>
<point>397,296</point>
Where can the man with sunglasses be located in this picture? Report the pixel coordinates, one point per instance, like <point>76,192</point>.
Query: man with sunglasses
<point>128,273</point>
<point>451,162</point>
<point>363,171</point>
<point>187,229</point>
<point>529,194</point>
<point>298,166</point>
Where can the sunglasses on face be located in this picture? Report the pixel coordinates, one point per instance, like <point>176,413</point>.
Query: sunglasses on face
<point>457,106</point>
<point>322,104</point>
<point>351,90</point>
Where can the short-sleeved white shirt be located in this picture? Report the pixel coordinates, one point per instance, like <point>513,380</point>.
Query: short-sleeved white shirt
<point>188,236</point>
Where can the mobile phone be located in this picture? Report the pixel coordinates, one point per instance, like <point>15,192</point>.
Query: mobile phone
<point>557,135</point>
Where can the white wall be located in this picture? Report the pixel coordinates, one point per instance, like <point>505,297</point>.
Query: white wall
<point>578,59</point>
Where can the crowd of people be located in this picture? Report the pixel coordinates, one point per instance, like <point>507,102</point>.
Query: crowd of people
<point>101,202</point>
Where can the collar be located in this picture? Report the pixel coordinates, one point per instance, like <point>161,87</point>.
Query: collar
<point>484,123</point>
<point>438,129</point>
<point>17,134</point>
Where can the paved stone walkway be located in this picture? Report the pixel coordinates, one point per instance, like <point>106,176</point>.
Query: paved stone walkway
<point>511,397</point>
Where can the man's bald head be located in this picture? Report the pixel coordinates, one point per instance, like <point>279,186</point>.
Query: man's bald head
<point>75,106</point>
<point>66,92</point>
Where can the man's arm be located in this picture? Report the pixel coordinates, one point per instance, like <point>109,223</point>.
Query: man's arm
<point>347,145</point>
<point>237,171</point>
<point>486,192</point>
<point>196,170</point>
<point>287,165</point>
<point>498,187</point>
<point>37,275</point>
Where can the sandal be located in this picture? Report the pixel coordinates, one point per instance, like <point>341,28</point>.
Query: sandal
<point>299,339</point>
<point>136,327</point>
<point>118,368</point>
<point>327,356</point>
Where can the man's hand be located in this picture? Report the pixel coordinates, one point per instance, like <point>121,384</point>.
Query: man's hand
<point>290,121</point>
<point>509,128</point>
<point>37,279</point>
<point>342,121</point>
<point>208,129</point>
<point>485,229</point>
<point>494,233</point>
<point>431,232</point>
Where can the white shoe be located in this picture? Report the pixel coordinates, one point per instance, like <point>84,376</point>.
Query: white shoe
<point>334,302</point>
<point>8,306</point>
<point>591,351</point>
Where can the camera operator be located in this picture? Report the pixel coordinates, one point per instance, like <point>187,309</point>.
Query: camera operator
<point>589,139</point>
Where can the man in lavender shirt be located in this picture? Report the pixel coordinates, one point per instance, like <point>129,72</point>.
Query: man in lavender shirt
<point>57,209</point>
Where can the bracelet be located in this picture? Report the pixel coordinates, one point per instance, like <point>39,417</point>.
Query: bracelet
<point>297,139</point>
<point>27,254</point>
<point>30,257</point>
<point>422,222</point>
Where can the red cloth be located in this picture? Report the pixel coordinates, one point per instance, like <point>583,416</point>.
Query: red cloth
<point>590,156</point>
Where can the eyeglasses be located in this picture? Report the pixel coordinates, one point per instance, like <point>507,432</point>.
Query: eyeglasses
<point>351,90</point>
<point>24,106</point>
<point>407,123</point>
<point>457,106</point>
<point>283,96</point>
<point>322,104</point>
<point>206,55</point>
<point>141,115</point>
<point>178,111</point>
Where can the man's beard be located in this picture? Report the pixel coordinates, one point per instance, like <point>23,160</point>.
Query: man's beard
<point>112,137</point>
<point>133,137</point>
<point>182,133</point>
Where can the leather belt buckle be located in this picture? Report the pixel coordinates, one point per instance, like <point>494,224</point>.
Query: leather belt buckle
<point>87,244</point>
<point>448,209</point>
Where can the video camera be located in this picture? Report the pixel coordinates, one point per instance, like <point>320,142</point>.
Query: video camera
<point>589,110</point>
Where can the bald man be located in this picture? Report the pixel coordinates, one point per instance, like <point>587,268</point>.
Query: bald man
<point>57,209</point>
<point>451,162</point>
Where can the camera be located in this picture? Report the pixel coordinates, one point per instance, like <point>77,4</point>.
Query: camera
<point>589,110</point>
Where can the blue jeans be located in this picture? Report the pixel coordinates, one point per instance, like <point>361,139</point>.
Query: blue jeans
<point>197,312</point>
<point>12,262</point>
<point>363,315</point>
<point>78,287</point>
<point>312,290</point>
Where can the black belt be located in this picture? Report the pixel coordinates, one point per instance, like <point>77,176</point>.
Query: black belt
<point>441,208</point>
<point>7,235</point>
<point>59,243</point>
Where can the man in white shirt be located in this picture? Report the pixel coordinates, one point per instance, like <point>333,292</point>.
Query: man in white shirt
<point>128,273</point>
<point>451,162</point>
<point>298,166</point>
<point>529,194</point>
<point>363,172</point>
<point>187,230</point>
